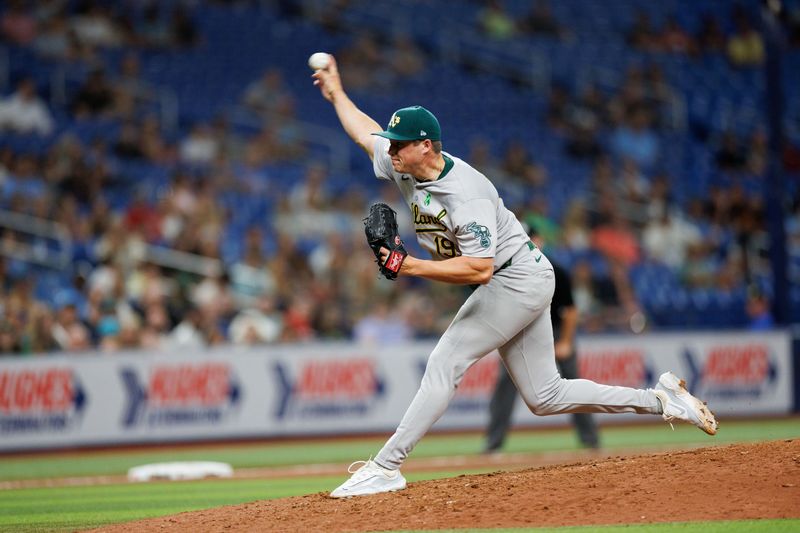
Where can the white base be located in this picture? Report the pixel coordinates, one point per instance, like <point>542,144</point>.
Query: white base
<point>180,470</point>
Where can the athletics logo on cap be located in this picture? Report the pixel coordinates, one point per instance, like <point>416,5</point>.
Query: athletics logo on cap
<point>412,124</point>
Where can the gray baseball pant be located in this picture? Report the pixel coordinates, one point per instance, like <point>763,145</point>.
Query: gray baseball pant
<point>511,313</point>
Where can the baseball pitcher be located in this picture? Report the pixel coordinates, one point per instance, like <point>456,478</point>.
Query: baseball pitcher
<point>473,240</point>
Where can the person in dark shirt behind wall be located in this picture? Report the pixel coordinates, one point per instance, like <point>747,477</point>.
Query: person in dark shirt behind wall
<point>564,315</point>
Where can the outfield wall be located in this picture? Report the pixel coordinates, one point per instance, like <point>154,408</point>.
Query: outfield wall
<point>318,389</point>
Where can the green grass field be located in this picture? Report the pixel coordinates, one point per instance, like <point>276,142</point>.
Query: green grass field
<point>70,508</point>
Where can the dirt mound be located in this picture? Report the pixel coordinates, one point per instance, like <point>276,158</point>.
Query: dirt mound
<point>742,481</point>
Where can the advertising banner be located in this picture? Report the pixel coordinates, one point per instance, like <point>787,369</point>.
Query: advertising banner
<point>342,388</point>
<point>738,374</point>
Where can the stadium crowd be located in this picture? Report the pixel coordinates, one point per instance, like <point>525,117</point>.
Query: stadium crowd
<point>289,284</point>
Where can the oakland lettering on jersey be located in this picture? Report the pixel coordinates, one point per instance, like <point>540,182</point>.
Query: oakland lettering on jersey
<point>421,219</point>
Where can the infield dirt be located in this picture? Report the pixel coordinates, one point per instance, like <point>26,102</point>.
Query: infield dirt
<point>742,481</point>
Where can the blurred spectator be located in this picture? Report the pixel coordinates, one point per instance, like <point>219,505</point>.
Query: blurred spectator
<point>128,144</point>
<point>791,156</point>
<point>95,96</point>
<point>617,241</point>
<point>330,257</point>
<point>329,16</point>
<point>55,39</point>
<point>674,38</point>
<point>730,155</point>
<point>24,112</point>
<point>699,268</point>
<point>636,140</point>
<point>745,46</point>
<point>106,324</point>
<point>585,117</point>
<point>143,218</point>
<point>290,265</point>
<point>540,21</point>
<point>146,284</point>
<point>250,277</point>
<point>290,138</point>
<point>710,38</point>
<point>96,27</point>
<point>519,165</point>
<point>129,83</point>
<point>405,56</point>
<point>495,21</point>
<point>17,24</point>
<point>667,239</point>
<point>595,297</point>
<point>263,148</point>
<point>261,324</point>
<point>758,152</point>
<point>188,334</point>
<point>482,157</point>
<point>153,31</point>
<point>69,331</point>
<point>24,182</point>
<point>751,247</point>
<point>538,218</point>
<point>38,337</point>
<point>557,107</point>
<point>332,321</point>
<point>231,147</point>
<point>214,296</point>
<point>199,147</point>
<point>429,313</point>
<point>642,35</point>
<point>308,200</point>
<point>10,342</point>
<point>758,311</point>
<point>639,91</point>
<point>575,231</point>
<point>153,144</point>
<point>660,196</point>
<point>383,324</point>
<point>603,178</point>
<point>632,189</point>
<point>119,251</point>
<point>298,319</point>
<point>265,94</point>
<point>790,16</point>
<point>364,64</point>
<point>182,28</point>
<point>156,324</point>
<point>591,105</point>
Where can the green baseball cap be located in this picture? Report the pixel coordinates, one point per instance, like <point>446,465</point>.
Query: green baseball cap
<point>412,124</point>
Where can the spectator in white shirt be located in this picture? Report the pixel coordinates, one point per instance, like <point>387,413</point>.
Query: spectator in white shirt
<point>25,112</point>
<point>200,147</point>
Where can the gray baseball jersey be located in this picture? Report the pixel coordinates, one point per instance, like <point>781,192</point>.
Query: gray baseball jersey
<point>458,214</point>
<point>461,214</point>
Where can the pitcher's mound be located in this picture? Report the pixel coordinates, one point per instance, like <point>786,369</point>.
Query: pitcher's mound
<point>742,481</point>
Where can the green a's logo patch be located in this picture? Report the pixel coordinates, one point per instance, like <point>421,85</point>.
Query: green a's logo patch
<point>481,233</point>
<point>427,201</point>
<point>394,121</point>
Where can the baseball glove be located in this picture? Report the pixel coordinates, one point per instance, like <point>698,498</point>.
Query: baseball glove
<point>380,226</point>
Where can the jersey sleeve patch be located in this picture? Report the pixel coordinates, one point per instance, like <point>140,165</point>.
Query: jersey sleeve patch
<point>481,233</point>
<point>476,228</point>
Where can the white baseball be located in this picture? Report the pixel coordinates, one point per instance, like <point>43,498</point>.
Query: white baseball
<point>319,60</point>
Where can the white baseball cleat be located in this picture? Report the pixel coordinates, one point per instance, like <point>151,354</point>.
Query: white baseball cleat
<point>369,478</point>
<point>678,403</point>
